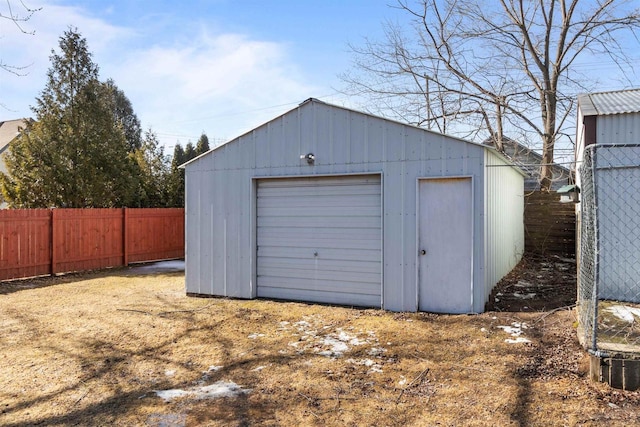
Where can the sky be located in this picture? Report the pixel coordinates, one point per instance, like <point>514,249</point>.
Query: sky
<point>222,67</point>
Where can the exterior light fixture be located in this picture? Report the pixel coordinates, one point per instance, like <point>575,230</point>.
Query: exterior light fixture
<point>310,158</point>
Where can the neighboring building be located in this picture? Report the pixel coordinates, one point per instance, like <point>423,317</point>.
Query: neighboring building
<point>332,205</point>
<point>608,150</point>
<point>9,130</point>
<point>529,161</point>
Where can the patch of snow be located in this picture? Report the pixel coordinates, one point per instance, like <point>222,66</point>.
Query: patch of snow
<point>524,296</point>
<point>336,347</point>
<point>213,391</point>
<point>376,351</point>
<point>483,329</point>
<point>519,340</point>
<point>515,330</point>
<point>258,369</point>
<point>302,323</point>
<point>625,313</point>
<point>343,336</point>
<point>254,336</point>
<point>523,284</point>
<point>402,381</point>
<point>170,373</point>
<point>172,265</point>
<point>373,366</point>
<point>214,368</point>
<point>569,260</point>
<point>169,395</point>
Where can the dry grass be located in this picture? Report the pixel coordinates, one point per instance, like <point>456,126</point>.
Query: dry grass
<point>91,350</point>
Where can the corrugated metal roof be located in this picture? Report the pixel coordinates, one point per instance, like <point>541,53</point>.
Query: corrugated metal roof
<point>604,103</point>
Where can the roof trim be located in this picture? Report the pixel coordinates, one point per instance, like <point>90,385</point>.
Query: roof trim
<point>624,101</point>
<point>315,100</point>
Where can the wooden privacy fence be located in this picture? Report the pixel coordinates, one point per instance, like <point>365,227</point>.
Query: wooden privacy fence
<point>36,242</point>
<point>550,226</point>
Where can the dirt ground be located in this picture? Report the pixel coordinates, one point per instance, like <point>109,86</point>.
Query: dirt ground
<point>127,347</point>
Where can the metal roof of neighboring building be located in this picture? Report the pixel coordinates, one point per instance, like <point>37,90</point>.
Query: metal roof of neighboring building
<point>616,102</point>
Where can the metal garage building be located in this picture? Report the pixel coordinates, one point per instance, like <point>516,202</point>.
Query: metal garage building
<point>333,205</point>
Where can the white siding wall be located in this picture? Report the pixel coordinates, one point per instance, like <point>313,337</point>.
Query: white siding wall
<point>504,207</point>
<point>220,252</point>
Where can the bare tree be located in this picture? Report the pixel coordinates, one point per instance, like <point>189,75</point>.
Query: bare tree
<point>484,66</point>
<point>18,16</point>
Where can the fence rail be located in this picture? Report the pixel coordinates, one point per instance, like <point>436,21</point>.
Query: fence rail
<point>36,242</point>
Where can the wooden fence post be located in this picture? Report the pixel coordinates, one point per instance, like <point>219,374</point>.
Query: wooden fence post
<point>52,219</point>
<point>125,244</point>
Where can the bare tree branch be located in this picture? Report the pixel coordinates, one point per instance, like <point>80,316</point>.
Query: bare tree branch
<point>483,69</point>
<point>18,18</point>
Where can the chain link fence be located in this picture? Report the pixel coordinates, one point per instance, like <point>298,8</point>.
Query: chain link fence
<point>609,253</point>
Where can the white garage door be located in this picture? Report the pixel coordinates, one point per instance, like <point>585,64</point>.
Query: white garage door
<point>319,239</point>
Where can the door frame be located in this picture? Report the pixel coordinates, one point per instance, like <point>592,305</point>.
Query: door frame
<point>473,233</point>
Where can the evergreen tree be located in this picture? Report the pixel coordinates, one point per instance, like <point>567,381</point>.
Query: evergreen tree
<point>176,187</point>
<point>75,153</point>
<point>189,152</point>
<point>125,116</point>
<point>202,146</point>
<point>154,173</point>
<point>178,157</point>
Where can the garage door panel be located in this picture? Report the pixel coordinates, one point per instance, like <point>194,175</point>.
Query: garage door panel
<point>342,298</point>
<point>324,285</point>
<point>320,238</point>
<point>350,200</point>
<point>306,264</point>
<point>319,274</point>
<point>328,253</point>
<point>307,234</point>
<point>322,222</point>
<point>341,183</point>
<point>318,244</point>
<point>312,211</point>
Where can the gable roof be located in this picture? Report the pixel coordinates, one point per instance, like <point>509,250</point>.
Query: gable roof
<point>9,130</point>
<point>529,161</point>
<point>314,100</point>
<point>614,102</point>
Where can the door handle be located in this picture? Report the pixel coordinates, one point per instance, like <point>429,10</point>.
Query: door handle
<point>423,252</point>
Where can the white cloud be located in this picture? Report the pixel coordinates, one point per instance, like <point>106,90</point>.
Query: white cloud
<point>207,83</point>
<point>33,50</point>
<point>180,85</point>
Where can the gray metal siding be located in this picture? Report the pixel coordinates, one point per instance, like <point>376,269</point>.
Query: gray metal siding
<point>616,174</point>
<point>504,216</point>
<point>220,245</point>
<point>319,239</point>
<point>618,129</point>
